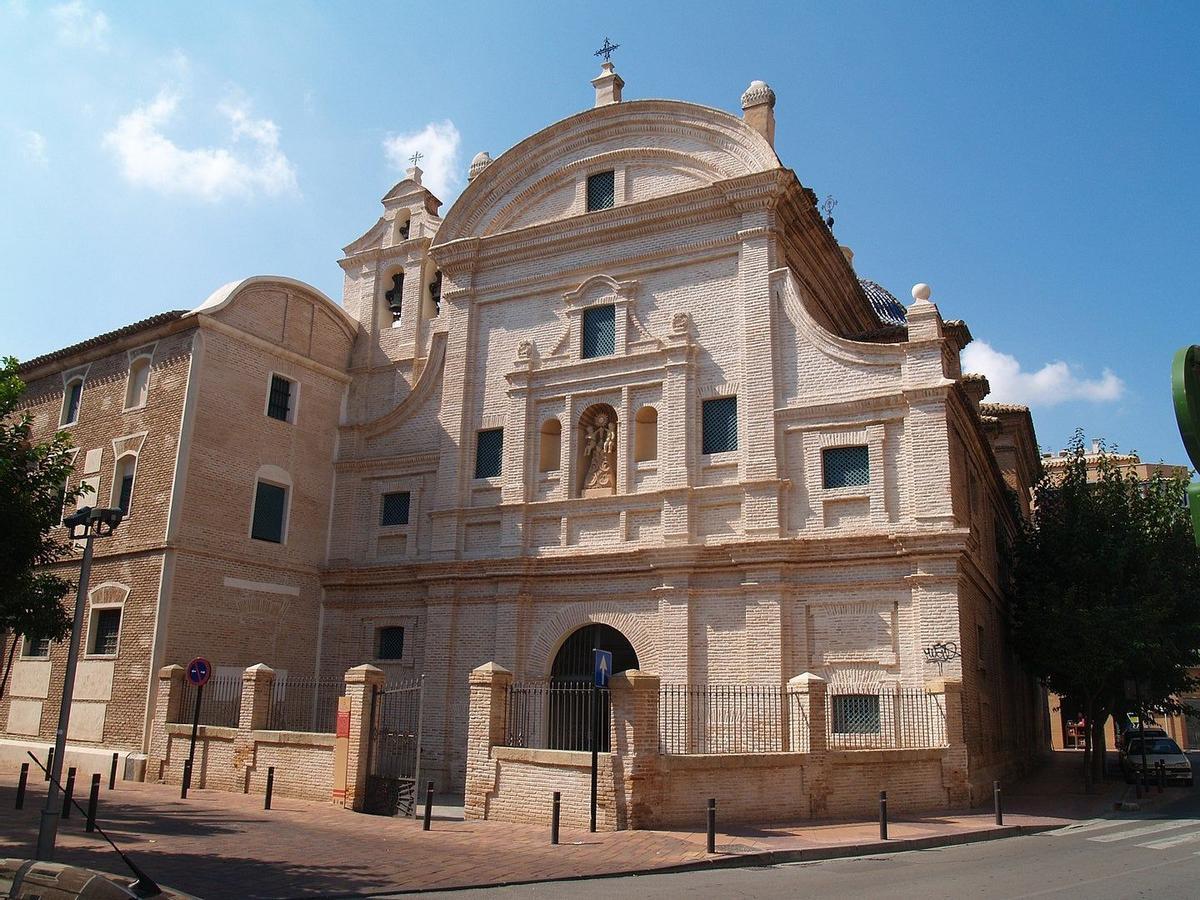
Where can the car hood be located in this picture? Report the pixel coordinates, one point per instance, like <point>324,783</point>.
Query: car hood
<point>1170,760</point>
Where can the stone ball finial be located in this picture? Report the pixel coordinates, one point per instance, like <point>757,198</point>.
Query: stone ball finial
<point>922,292</point>
<point>757,94</point>
<point>481,161</point>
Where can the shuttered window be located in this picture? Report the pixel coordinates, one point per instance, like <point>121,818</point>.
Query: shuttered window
<point>599,331</point>
<point>279,403</point>
<point>489,453</point>
<point>270,501</point>
<point>720,425</point>
<point>846,466</point>
<point>601,191</point>
<point>395,508</point>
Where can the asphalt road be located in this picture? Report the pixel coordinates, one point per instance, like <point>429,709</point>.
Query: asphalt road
<point>1154,854</point>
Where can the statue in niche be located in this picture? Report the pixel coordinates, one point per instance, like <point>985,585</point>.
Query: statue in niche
<point>600,455</point>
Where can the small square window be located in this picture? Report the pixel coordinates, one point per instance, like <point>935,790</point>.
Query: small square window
<point>279,401</point>
<point>395,508</point>
<point>720,425</point>
<point>40,647</point>
<point>489,453</point>
<point>601,191</point>
<point>106,630</point>
<point>270,501</point>
<point>599,331</point>
<point>856,714</point>
<point>391,642</point>
<point>846,466</point>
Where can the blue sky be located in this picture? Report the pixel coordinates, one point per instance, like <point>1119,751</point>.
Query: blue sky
<point>1035,163</point>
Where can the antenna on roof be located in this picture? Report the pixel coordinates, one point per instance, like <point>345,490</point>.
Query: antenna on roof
<point>827,207</point>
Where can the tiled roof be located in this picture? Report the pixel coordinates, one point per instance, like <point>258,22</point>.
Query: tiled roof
<point>99,339</point>
<point>888,309</point>
<point>1000,408</point>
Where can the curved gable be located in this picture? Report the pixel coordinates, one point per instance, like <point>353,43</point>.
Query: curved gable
<point>660,147</point>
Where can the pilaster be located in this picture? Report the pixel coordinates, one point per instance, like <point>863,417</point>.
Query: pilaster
<point>486,723</point>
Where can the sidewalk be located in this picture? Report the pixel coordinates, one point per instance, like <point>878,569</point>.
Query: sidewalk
<point>219,845</point>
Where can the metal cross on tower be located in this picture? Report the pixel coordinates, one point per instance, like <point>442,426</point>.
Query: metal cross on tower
<point>416,157</point>
<point>607,50</point>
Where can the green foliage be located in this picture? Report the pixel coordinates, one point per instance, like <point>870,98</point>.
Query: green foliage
<point>32,476</point>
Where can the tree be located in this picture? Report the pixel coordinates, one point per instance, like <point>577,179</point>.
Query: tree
<point>33,477</point>
<point>1107,589</point>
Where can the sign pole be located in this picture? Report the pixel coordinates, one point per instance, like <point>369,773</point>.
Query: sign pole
<point>198,672</point>
<point>595,748</point>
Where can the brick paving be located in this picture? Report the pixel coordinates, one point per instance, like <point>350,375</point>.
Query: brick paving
<point>219,845</point>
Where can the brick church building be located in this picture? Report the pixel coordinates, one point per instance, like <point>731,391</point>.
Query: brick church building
<point>629,382</point>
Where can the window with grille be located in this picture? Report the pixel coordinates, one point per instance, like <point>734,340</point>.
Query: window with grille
<point>599,331</point>
<point>395,508</point>
<point>489,453</point>
<point>270,501</point>
<point>279,402</point>
<point>391,642</point>
<point>856,714</point>
<point>106,630</point>
<point>846,466</point>
<point>40,647</point>
<point>720,425</point>
<point>71,401</point>
<point>601,191</point>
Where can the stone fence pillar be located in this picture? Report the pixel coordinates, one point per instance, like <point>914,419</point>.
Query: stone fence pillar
<point>954,763</point>
<point>362,684</point>
<point>808,697</point>
<point>633,738</point>
<point>486,723</point>
<point>258,683</point>
<point>167,702</point>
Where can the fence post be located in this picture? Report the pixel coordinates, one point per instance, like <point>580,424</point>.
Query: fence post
<point>93,799</point>
<point>67,792</point>
<point>997,802</point>
<point>112,773</point>
<point>167,708</point>
<point>555,814</point>
<point>270,787</point>
<point>24,779</point>
<point>954,762</point>
<point>361,684</point>
<point>810,693</point>
<point>711,825</point>
<point>883,818</point>
<point>487,720</point>
<point>258,683</point>
<point>633,737</point>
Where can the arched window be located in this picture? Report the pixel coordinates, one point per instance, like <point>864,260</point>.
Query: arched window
<point>122,489</point>
<point>72,397</point>
<point>550,448</point>
<point>646,434</point>
<point>395,296</point>
<point>137,390</point>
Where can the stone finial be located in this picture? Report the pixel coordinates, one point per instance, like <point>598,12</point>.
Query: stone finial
<point>481,161</point>
<point>414,173</point>
<point>758,109</point>
<point>608,85</point>
<point>848,253</point>
<point>806,681</point>
<point>921,293</point>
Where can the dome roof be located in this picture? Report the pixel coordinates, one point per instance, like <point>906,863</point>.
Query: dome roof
<point>481,161</point>
<point>889,310</point>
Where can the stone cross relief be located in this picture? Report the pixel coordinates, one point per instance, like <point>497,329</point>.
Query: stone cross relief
<point>600,453</point>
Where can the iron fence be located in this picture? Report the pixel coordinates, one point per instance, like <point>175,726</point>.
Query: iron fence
<point>305,704</point>
<point>556,715</point>
<point>730,718</point>
<point>891,719</point>
<point>220,705</point>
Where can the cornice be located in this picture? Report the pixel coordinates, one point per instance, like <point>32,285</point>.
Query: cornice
<point>390,464</point>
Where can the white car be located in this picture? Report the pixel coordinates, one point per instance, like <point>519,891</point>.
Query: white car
<point>1158,749</point>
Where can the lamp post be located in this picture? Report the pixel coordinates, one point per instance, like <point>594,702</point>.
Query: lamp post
<point>86,523</point>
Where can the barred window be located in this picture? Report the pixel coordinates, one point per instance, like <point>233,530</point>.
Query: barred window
<point>856,714</point>
<point>40,647</point>
<point>720,425</point>
<point>395,508</point>
<point>601,191</point>
<point>599,331</point>
<point>489,453</point>
<point>279,401</point>
<point>106,630</point>
<point>846,466</point>
<point>391,642</point>
<point>270,503</point>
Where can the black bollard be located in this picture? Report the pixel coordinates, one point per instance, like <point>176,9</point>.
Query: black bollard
<point>712,825</point>
<point>1162,775</point>
<point>20,804</point>
<point>186,782</point>
<point>270,787</point>
<point>49,764</point>
<point>883,815</point>
<point>554,816</point>
<point>428,807</point>
<point>93,799</point>
<point>996,800</point>
<point>67,791</point>
<point>112,773</point>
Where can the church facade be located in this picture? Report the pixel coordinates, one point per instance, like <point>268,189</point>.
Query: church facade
<point>629,383</point>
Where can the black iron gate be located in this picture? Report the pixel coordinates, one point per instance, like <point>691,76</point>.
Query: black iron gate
<point>394,770</point>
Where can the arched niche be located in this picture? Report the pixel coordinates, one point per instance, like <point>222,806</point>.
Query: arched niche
<point>598,451</point>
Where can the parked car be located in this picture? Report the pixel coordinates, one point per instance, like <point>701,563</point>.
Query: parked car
<point>1132,734</point>
<point>1157,749</point>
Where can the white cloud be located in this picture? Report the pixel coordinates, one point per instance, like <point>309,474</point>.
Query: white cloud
<point>33,145</point>
<point>79,26</point>
<point>438,144</point>
<point>1055,382</point>
<point>151,159</point>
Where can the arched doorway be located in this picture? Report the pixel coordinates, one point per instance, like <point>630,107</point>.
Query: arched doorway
<point>571,686</point>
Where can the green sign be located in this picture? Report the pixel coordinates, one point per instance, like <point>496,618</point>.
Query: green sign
<point>1185,388</point>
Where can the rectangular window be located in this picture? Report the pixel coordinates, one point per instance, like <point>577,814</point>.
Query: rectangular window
<point>720,425</point>
<point>279,402</point>
<point>856,714</point>
<point>126,494</point>
<point>846,466</point>
<point>106,629</point>
<point>123,484</point>
<point>40,647</point>
<point>391,642</point>
<point>270,501</point>
<point>489,453</point>
<point>601,191</point>
<point>71,401</point>
<point>599,331</point>
<point>395,508</point>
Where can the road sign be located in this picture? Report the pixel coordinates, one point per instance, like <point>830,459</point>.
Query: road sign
<point>198,671</point>
<point>603,667</point>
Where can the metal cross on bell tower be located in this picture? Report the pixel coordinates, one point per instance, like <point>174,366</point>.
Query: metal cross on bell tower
<point>416,157</point>
<point>607,50</point>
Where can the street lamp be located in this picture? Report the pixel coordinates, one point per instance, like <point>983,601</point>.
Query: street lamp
<point>85,523</point>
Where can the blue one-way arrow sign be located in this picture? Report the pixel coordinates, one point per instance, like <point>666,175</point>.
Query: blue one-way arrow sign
<point>603,667</point>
